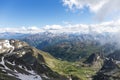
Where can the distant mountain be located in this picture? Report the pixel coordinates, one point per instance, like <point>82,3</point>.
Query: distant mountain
<point>72,46</point>
<point>67,46</point>
<point>12,35</point>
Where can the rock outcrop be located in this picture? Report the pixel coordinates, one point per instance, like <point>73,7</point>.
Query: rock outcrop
<point>109,71</point>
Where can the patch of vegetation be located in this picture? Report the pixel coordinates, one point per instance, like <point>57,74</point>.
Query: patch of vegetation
<point>68,69</point>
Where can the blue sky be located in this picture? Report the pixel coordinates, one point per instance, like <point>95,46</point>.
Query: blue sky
<point>16,13</point>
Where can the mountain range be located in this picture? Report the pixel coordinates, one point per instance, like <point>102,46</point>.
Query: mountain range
<point>63,56</point>
<point>72,47</point>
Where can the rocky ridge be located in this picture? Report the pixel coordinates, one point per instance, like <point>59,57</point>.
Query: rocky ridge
<point>19,61</point>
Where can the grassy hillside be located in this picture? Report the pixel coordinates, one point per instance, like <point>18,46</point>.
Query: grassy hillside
<point>68,68</point>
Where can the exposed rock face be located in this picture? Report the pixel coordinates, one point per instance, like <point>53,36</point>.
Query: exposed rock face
<point>95,60</point>
<point>92,58</point>
<point>19,61</point>
<point>109,71</point>
<point>109,64</point>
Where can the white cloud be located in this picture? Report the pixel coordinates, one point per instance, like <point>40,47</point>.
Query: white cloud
<point>33,28</point>
<point>111,27</point>
<point>101,8</point>
<point>24,29</point>
<point>94,5</point>
<point>53,27</point>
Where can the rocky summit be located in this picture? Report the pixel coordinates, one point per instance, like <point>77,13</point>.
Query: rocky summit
<point>19,61</point>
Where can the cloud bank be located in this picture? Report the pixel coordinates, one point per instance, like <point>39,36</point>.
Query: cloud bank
<point>101,8</point>
<point>110,27</point>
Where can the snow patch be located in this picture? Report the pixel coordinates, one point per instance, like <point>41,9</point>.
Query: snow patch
<point>5,46</point>
<point>23,52</point>
<point>28,77</point>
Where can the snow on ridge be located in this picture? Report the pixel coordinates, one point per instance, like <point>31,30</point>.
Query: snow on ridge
<point>5,46</point>
<point>28,77</point>
<point>32,76</point>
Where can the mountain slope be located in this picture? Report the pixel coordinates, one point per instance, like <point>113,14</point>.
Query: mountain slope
<point>19,61</point>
